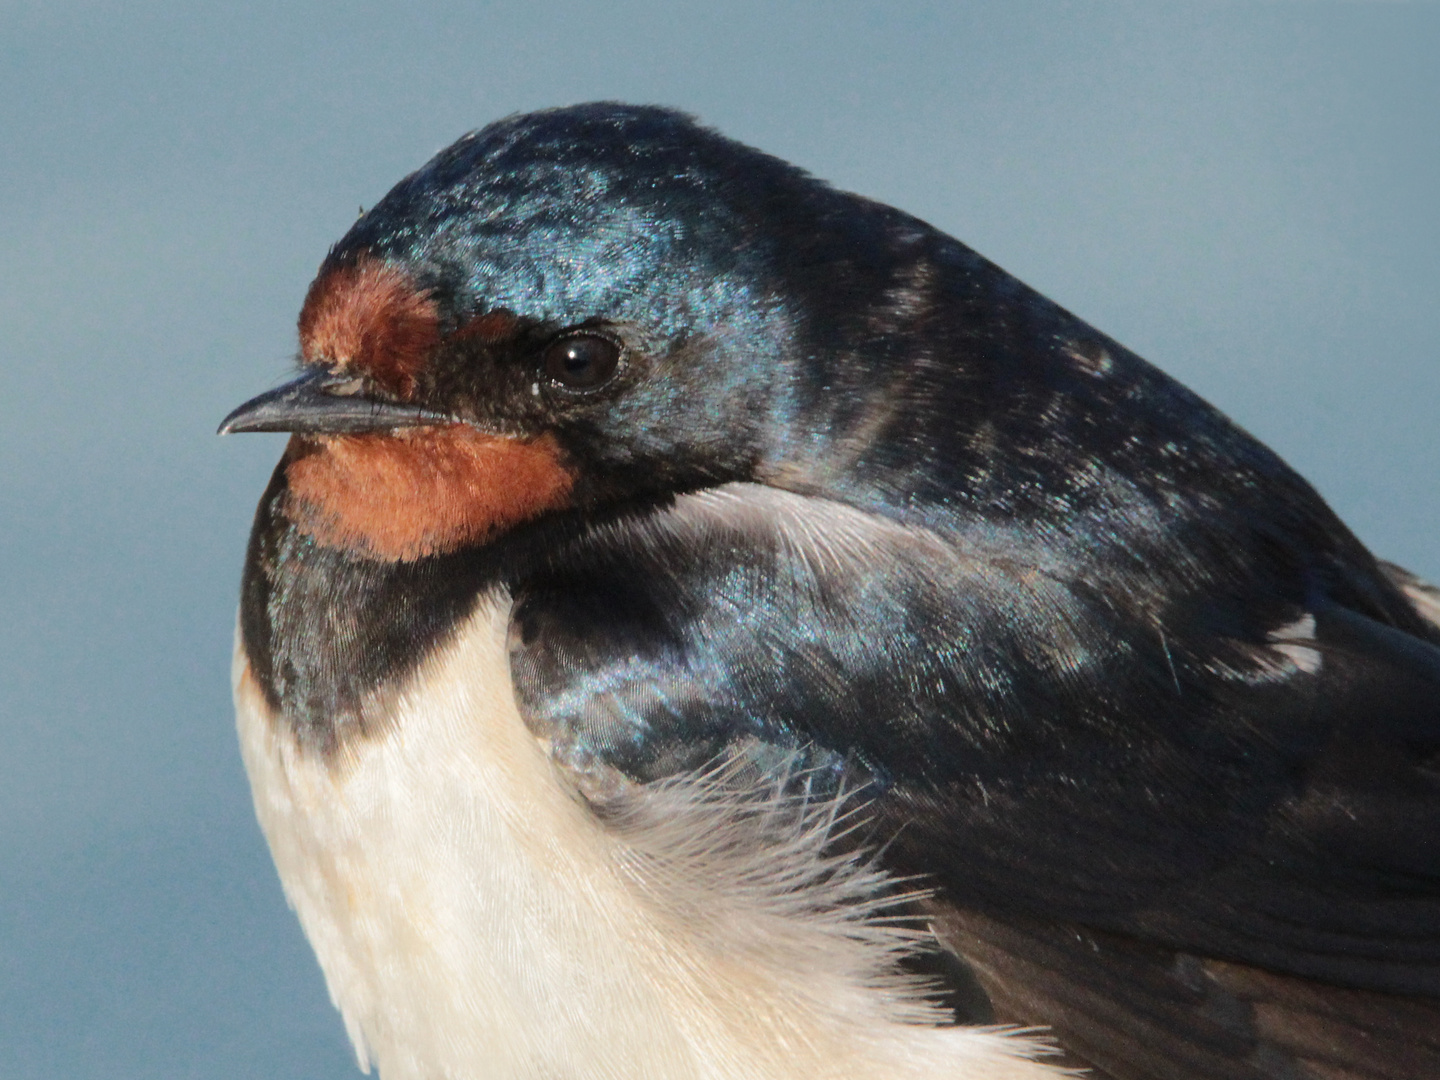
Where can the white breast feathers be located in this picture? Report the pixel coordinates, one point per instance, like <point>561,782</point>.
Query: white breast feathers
<point>475,918</point>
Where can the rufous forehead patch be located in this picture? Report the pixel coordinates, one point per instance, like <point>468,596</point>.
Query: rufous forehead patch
<point>370,319</point>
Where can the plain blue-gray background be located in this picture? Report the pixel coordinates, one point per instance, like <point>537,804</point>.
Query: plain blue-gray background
<point>1245,193</point>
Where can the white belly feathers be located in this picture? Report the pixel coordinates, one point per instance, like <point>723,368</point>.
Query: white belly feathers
<point>475,919</point>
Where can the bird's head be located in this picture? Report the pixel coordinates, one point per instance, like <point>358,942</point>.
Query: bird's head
<point>564,310</point>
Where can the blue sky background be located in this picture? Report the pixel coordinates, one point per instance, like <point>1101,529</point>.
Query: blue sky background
<point>1245,193</point>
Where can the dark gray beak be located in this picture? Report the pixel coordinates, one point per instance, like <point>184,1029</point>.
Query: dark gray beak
<point>324,403</point>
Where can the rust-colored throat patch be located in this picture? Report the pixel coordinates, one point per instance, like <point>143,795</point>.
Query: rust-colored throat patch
<point>409,494</point>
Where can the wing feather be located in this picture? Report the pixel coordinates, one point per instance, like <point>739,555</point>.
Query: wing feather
<point>1197,832</point>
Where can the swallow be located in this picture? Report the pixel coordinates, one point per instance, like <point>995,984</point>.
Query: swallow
<point>706,624</point>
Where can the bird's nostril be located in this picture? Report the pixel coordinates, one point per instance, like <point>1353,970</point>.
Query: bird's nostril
<point>348,388</point>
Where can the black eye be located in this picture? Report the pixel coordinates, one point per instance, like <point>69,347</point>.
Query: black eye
<point>581,361</point>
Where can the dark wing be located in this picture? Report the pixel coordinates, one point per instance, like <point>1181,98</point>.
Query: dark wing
<point>1171,826</point>
<point>1137,1011</point>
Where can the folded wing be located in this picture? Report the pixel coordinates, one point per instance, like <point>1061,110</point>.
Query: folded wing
<point>1194,830</point>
